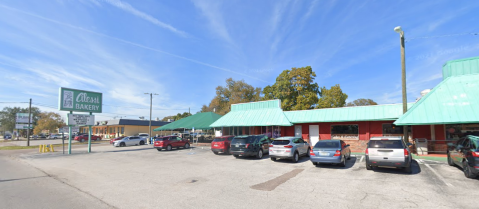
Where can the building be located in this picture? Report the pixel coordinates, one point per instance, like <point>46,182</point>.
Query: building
<point>123,127</point>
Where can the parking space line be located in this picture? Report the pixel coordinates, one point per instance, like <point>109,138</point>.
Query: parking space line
<point>438,175</point>
<point>362,158</point>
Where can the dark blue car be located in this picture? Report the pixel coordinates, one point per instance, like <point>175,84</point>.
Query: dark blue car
<point>465,154</point>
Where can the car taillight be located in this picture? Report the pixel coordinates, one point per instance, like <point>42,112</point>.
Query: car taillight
<point>270,145</point>
<point>338,153</point>
<point>247,145</point>
<point>475,154</point>
<point>288,146</point>
<point>367,151</point>
<point>406,153</point>
<point>384,139</point>
<point>311,153</point>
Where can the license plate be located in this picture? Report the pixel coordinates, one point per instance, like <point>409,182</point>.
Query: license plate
<point>324,153</point>
<point>215,145</point>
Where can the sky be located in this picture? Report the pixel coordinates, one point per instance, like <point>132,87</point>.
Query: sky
<point>183,50</point>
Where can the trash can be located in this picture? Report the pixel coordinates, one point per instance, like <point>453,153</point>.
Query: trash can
<point>421,146</point>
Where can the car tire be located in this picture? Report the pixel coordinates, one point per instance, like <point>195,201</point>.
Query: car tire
<point>449,160</point>
<point>168,148</point>
<point>408,169</point>
<point>315,164</point>
<point>236,156</point>
<point>368,167</point>
<point>159,150</point>
<point>259,155</point>
<point>82,140</point>
<point>295,158</point>
<point>122,144</point>
<point>343,161</point>
<point>467,170</point>
<point>142,143</point>
<point>273,158</point>
<point>187,146</point>
<point>215,153</point>
<point>349,156</point>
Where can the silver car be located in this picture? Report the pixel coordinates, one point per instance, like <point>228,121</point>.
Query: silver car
<point>288,148</point>
<point>388,151</point>
<point>129,141</point>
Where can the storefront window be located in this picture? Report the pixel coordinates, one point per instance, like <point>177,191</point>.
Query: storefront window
<point>391,129</point>
<point>122,130</point>
<point>456,131</point>
<point>276,132</point>
<point>345,132</point>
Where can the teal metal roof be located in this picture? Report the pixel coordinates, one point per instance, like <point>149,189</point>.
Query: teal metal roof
<point>460,67</point>
<point>454,100</point>
<point>345,114</point>
<point>266,113</point>
<point>198,121</point>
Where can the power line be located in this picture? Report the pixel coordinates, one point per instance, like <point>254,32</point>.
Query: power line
<point>13,102</point>
<point>441,36</point>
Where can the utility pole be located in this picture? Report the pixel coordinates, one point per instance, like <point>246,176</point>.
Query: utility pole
<point>29,122</point>
<point>403,72</point>
<point>151,105</point>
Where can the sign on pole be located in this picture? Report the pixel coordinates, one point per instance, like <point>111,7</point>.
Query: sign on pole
<point>22,118</point>
<point>80,100</point>
<point>81,120</point>
<point>22,126</point>
<point>64,129</point>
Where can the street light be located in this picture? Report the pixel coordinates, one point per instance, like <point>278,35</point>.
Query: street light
<point>151,103</point>
<point>399,30</point>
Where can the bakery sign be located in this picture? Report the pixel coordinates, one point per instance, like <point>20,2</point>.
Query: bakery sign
<point>80,100</point>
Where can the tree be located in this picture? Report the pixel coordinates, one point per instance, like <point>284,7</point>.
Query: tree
<point>361,102</point>
<point>8,116</point>
<point>233,93</point>
<point>48,121</point>
<point>333,97</point>
<point>177,116</point>
<point>296,89</point>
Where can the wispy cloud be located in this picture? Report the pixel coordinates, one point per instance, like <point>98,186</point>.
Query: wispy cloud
<point>130,9</point>
<point>212,11</point>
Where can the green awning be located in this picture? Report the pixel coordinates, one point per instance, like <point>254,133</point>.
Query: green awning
<point>346,114</point>
<point>453,101</point>
<point>198,121</point>
<point>266,113</point>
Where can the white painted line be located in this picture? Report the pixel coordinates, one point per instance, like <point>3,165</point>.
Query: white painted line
<point>437,174</point>
<point>419,161</point>
<point>362,158</point>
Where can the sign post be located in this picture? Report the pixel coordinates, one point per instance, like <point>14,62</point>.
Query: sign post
<point>80,101</point>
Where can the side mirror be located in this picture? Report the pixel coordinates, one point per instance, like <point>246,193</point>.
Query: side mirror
<point>347,145</point>
<point>409,144</point>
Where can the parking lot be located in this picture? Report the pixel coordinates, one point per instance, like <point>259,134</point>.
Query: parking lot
<point>142,177</point>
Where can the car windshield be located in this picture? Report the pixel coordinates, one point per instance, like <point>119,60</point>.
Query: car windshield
<point>280,142</point>
<point>327,144</point>
<point>392,144</point>
<point>160,139</point>
<point>242,140</point>
<point>219,139</point>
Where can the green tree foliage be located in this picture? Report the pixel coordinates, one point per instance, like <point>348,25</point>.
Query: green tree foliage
<point>361,102</point>
<point>48,121</point>
<point>177,116</point>
<point>8,115</point>
<point>296,89</point>
<point>333,97</point>
<point>233,93</point>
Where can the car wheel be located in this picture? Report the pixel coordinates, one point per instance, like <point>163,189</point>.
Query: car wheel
<point>236,156</point>
<point>343,161</point>
<point>408,169</point>
<point>368,167</point>
<point>82,140</point>
<point>295,157</point>
<point>259,155</point>
<point>215,153</point>
<point>142,143</point>
<point>273,159</point>
<point>315,164</point>
<point>122,144</point>
<point>187,146</point>
<point>449,160</point>
<point>159,150</point>
<point>168,148</point>
<point>467,170</point>
<point>349,156</point>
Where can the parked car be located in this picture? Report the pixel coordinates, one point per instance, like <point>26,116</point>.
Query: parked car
<point>84,137</point>
<point>330,151</point>
<point>465,154</point>
<point>250,145</point>
<point>129,141</point>
<point>288,147</point>
<point>144,135</point>
<point>388,151</point>
<point>116,139</point>
<point>168,142</point>
<point>221,144</point>
<point>7,136</point>
<point>55,136</point>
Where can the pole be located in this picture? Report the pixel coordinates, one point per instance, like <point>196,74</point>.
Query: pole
<point>151,103</point>
<point>69,136</point>
<point>89,138</point>
<point>63,140</point>
<point>404,94</point>
<point>28,129</point>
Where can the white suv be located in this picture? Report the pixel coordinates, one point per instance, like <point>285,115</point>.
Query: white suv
<point>388,151</point>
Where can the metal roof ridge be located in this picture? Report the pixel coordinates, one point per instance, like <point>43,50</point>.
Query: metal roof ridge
<point>257,102</point>
<point>349,107</point>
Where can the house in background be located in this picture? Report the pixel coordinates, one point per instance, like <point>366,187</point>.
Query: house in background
<point>123,127</point>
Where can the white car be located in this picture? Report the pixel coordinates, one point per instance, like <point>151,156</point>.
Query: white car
<point>56,136</point>
<point>130,141</point>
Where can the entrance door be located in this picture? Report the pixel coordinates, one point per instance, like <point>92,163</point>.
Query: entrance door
<point>313,134</point>
<point>298,131</point>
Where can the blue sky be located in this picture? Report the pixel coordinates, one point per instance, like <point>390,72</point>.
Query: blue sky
<point>182,50</point>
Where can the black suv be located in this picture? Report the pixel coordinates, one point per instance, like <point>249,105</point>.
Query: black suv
<point>250,145</point>
<point>465,154</point>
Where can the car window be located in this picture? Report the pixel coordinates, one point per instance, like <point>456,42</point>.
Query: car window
<point>327,144</point>
<point>301,140</point>
<point>230,139</point>
<point>465,143</point>
<point>219,139</point>
<point>173,138</point>
<point>296,140</point>
<point>392,144</point>
<point>179,138</point>
<point>280,142</point>
<point>242,140</point>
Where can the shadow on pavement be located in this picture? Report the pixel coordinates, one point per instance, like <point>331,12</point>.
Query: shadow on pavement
<point>416,169</point>
<point>349,164</point>
<point>301,160</point>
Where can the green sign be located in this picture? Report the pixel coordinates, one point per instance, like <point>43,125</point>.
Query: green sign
<point>80,100</point>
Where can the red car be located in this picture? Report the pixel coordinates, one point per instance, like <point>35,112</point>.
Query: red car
<point>84,137</point>
<point>168,142</point>
<point>115,139</point>
<point>221,144</point>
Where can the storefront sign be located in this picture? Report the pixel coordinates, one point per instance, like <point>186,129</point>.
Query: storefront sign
<point>81,120</point>
<point>22,126</point>
<point>22,118</point>
<point>80,101</point>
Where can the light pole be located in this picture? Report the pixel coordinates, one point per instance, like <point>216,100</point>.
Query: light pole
<point>399,30</point>
<point>151,103</point>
